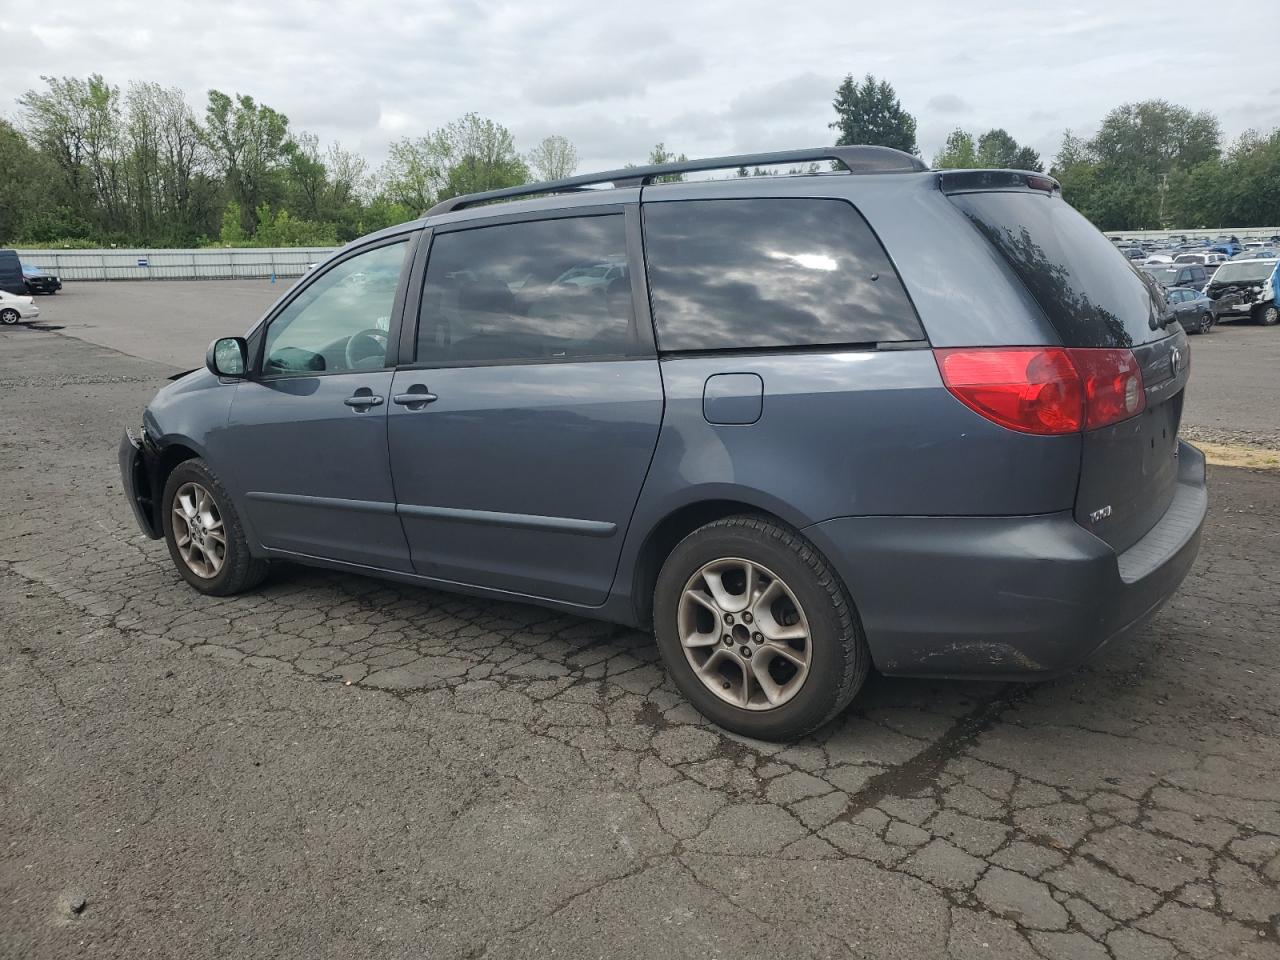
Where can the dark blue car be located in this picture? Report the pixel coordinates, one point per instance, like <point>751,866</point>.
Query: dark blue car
<point>797,425</point>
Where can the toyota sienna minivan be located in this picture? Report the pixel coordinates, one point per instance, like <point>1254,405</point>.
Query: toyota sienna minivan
<point>797,425</point>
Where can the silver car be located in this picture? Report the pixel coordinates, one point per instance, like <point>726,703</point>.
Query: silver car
<point>14,308</point>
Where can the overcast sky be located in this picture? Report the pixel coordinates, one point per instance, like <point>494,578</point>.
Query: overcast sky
<point>708,77</point>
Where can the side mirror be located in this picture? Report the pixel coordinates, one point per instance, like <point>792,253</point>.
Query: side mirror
<point>228,357</point>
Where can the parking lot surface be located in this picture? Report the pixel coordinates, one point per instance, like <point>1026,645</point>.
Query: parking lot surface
<point>332,766</point>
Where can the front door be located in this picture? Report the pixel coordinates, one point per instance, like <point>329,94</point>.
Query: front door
<point>521,434</point>
<point>309,430</point>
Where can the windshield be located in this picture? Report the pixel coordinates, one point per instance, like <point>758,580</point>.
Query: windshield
<point>30,268</point>
<point>1166,275</point>
<point>1240,271</point>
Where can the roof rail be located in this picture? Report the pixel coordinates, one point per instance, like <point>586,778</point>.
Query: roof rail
<point>857,159</point>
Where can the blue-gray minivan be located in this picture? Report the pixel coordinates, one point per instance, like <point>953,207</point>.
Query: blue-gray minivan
<point>799,425</point>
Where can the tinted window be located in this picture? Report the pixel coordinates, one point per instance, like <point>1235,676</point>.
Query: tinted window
<point>542,290</point>
<point>770,273</point>
<point>1087,289</point>
<point>340,321</point>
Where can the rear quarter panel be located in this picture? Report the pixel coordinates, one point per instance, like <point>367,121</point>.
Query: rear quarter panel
<point>850,433</point>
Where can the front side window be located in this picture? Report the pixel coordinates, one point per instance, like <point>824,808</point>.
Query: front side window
<point>543,290</point>
<point>339,323</point>
<point>779,272</point>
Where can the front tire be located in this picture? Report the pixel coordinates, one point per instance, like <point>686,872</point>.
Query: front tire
<point>1267,316</point>
<point>757,629</point>
<point>9,316</point>
<point>1206,323</point>
<point>203,531</point>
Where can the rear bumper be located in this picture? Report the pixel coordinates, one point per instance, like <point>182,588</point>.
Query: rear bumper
<point>138,463</point>
<point>1008,597</point>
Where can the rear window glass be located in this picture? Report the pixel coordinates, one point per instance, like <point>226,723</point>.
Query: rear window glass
<point>734,274</point>
<point>1085,286</point>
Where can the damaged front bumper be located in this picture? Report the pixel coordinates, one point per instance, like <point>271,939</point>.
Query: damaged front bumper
<point>139,460</point>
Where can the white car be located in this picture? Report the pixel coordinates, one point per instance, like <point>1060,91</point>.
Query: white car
<point>1157,259</point>
<point>14,308</point>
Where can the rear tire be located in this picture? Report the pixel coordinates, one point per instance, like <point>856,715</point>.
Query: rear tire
<point>778,651</point>
<point>1267,316</point>
<point>203,531</point>
<point>9,316</point>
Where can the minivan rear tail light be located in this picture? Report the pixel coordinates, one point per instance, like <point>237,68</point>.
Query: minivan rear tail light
<point>1113,388</point>
<point>1045,390</point>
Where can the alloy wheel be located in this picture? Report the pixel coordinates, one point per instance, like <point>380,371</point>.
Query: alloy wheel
<point>9,316</point>
<point>744,634</point>
<point>197,530</point>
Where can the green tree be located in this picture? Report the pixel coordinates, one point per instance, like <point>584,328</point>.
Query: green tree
<point>481,155</point>
<point>77,123</point>
<point>1027,159</point>
<point>469,155</point>
<point>306,176</point>
<point>233,232</point>
<point>997,149</point>
<point>279,229</point>
<point>22,174</point>
<point>958,153</point>
<point>660,154</point>
<point>870,112</point>
<point>553,159</point>
<point>248,144</point>
<point>414,173</point>
<point>1155,136</point>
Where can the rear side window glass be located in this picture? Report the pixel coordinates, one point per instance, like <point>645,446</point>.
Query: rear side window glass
<point>726,274</point>
<point>545,290</point>
<point>1085,286</point>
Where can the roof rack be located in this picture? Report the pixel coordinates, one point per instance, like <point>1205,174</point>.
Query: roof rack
<point>857,159</point>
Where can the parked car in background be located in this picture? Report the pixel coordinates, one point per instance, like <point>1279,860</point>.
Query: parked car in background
<point>1257,253</point>
<point>1191,308</point>
<point>15,307</point>
<point>1178,275</point>
<point>11,278</point>
<point>1208,258</point>
<point>1246,289</point>
<point>1135,253</point>
<point>805,431</point>
<point>1157,259</point>
<point>40,281</point>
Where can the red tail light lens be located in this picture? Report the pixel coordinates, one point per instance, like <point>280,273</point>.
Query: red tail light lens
<point>1044,390</point>
<point>1113,389</point>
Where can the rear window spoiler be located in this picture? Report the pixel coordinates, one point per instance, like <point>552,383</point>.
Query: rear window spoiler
<point>974,181</point>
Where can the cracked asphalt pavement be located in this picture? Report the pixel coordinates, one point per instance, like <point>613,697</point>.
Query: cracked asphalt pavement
<point>333,766</point>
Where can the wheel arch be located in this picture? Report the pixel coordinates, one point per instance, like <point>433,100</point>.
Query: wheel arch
<point>673,527</point>
<point>164,458</point>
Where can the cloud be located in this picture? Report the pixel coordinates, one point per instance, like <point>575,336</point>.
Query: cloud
<point>948,103</point>
<point>717,77</point>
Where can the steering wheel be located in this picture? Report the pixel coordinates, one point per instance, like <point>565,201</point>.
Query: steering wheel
<point>370,342</point>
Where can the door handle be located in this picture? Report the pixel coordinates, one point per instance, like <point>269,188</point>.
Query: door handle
<point>363,401</point>
<point>417,397</point>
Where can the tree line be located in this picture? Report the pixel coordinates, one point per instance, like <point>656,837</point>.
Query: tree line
<point>89,164</point>
<point>1151,165</point>
<point>86,163</point>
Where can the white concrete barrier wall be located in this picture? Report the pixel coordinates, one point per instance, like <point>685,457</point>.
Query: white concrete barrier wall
<point>1240,233</point>
<point>249,262</point>
<point>204,264</point>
